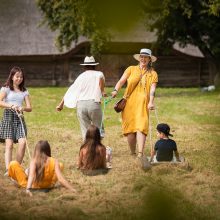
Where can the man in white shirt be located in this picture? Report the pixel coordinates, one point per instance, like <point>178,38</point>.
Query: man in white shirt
<point>85,94</point>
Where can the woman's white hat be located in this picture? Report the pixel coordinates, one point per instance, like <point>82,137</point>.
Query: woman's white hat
<point>89,61</point>
<point>145,52</point>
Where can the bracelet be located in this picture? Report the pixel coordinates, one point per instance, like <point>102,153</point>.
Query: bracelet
<point>115,90</point>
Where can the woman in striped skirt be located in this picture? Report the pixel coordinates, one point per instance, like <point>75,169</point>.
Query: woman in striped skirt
<point>12,96</point>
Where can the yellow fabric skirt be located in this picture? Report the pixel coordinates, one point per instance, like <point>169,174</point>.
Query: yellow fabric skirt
<point>16,172</point>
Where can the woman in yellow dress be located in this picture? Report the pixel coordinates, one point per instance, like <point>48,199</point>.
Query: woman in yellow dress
<point>140,91</point>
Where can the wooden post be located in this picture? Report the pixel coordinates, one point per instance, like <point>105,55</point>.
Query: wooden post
<point>66,69</point>
<point>199,73</point>
<point>212,72</point>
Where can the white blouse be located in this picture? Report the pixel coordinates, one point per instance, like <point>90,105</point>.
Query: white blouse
<point>85,87</point>
<point>14,98</point>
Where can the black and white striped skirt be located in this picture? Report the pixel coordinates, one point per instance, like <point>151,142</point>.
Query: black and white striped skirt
<point>11,127</point>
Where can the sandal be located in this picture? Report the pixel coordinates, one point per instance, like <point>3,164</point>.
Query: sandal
<point>140,155</point>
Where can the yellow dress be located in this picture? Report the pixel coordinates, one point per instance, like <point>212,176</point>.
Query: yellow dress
<point>135,116</point>
<point>16,172</point>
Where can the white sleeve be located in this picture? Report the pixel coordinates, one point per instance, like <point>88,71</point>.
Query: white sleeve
<point>5,89</point>
<point>71,95</point>
<point>26,93</point>
<point>101,75</point>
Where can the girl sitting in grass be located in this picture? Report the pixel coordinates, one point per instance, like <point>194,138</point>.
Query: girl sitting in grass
<point>93,154</point>
<point>43,173</point>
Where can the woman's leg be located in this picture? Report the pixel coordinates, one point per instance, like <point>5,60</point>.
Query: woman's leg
<point>8,152</point>
<point>141,138</point>
<point>131,138</point>
<point>16,172</point>
<point>21,150</point>
<point>95,114</point>
<point>84,120</point>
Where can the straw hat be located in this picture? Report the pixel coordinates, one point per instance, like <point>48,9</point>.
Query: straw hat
<point>89,61</point>
<point>145,52</point>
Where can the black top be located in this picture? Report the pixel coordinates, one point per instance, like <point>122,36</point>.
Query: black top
<point>164,149</point>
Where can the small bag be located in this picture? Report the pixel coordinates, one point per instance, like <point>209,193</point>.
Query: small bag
<point>120,105</point>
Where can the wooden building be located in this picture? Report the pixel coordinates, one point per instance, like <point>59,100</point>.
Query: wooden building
<point>25,44</point>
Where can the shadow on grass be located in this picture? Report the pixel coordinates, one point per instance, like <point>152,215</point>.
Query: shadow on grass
<point>161,204</point>
<point>167,204</point>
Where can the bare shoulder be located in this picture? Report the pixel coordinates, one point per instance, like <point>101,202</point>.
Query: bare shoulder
<point>102,148</point>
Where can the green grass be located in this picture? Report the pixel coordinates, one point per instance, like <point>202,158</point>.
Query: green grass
<point>126,192</point>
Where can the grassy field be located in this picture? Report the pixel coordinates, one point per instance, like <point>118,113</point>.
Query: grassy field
<point>126,192</point>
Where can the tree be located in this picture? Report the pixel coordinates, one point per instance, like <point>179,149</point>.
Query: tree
<point>187,21</point>
<point>184,21</point>
<point>90,18</point>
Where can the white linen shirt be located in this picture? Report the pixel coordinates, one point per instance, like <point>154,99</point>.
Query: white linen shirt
<point>85,87</point>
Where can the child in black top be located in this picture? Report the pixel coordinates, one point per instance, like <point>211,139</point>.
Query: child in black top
<point>164,147</point>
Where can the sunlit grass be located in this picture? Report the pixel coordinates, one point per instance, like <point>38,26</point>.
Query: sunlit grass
<point>126,192</point>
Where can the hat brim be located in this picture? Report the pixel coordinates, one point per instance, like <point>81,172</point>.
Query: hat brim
<point>137,57</point>
<point>89,64</point>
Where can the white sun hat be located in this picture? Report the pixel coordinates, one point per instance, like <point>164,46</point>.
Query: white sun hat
<point>145,52</point>
<point>89,61</point>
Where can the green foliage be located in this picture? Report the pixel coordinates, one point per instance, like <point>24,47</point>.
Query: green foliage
<point>214,7</point>
<point>90,18</point>
<point>185,21</point>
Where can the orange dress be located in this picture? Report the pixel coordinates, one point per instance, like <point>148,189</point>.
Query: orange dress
<point>135,116</point>
<point>16,172</point>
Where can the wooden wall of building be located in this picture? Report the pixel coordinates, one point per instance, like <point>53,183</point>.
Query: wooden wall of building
<point>173,71</point>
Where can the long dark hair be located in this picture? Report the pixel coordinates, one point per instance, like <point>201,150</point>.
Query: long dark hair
<point>9,81</point>
<point>89,67</point>
<point>41,152</point>
<point>92,141</point>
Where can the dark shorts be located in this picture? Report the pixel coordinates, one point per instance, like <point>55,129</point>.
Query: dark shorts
<point>11,126</point>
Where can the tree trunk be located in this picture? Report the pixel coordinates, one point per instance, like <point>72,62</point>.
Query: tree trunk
<point>214,67</point>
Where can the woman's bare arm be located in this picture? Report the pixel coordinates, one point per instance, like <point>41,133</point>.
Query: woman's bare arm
<point>80,163</point>
<point>61,179</point>
<point>28,107</point>
<point>31,177</point>
<point>2,103</point>
<point>119,84</point>
<point>152,95</point>
<point>60,106</point>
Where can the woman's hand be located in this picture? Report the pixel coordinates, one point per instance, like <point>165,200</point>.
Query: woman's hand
<point>104,94</point>
<point>15,108</point>
<point>28,192</point>
<point>20,109</point>
<point>114,94</point>
<point>59,108</point>
<point>151,106</point>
